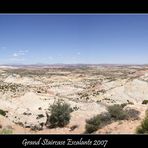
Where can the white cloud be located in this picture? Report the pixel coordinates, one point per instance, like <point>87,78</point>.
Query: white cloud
<point>15,55</point>
<point>20,53</point>
<point>23,51</point>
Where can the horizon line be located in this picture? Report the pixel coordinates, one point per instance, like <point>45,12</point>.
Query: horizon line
<point>74,64</point>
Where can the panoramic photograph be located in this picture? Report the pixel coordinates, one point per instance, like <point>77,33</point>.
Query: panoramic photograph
<point>73,74</point>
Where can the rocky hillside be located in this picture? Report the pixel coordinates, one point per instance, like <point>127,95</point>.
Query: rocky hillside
<point>27,94</point>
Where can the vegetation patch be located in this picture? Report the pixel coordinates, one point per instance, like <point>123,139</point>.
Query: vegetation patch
<point>93,124</point>
<point>124,104</point>
<point>143,128</point>
<point>40,116</point>
<point>60,115</point>
<point>96,122</point>
<point>105,118</point>
<point>2,112</point>
<point>145,102</point>
<point>117,113</point>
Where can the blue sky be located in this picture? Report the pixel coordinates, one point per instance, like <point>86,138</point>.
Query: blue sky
<point>73,38</point>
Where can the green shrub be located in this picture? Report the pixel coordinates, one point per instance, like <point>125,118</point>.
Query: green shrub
<point>116,111</point>
<point>124,104</point>
<point>96,122</point>
<point>92,124</point>
<point>90,128</point>
<point>6,131</point>
<point>60,115</point>
<point>143,128</point>
<point>105,118</point>
<point>2,112</point>
<point>145,102</point>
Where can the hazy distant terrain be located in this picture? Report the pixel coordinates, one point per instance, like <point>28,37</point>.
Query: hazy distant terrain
<point>26,93</point>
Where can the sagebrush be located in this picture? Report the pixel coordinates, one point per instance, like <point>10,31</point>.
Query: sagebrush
<point>143,128</point>
<point>92,124</point>
<point>2,112</point>
<point>60,114</point>
<point>116,111</point>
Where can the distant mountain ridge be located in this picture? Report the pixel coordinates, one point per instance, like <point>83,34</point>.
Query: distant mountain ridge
<point>60,65</point>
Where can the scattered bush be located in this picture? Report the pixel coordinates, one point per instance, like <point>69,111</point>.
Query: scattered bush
<point>145,102</point>
<point>93,124</point>
<point>116,111</point>
<point>60,115</point>
<point>105,118</point>
<point>36,127</point>
<point>97,122</point>
<point>75,108</point>
<point>2,112</point>
<point>40,116</point>
<point>90,128</point>
<point>143,128</point>
<point>124,104</point>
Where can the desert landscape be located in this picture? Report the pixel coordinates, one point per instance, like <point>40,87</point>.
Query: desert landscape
<point>28,91</point>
